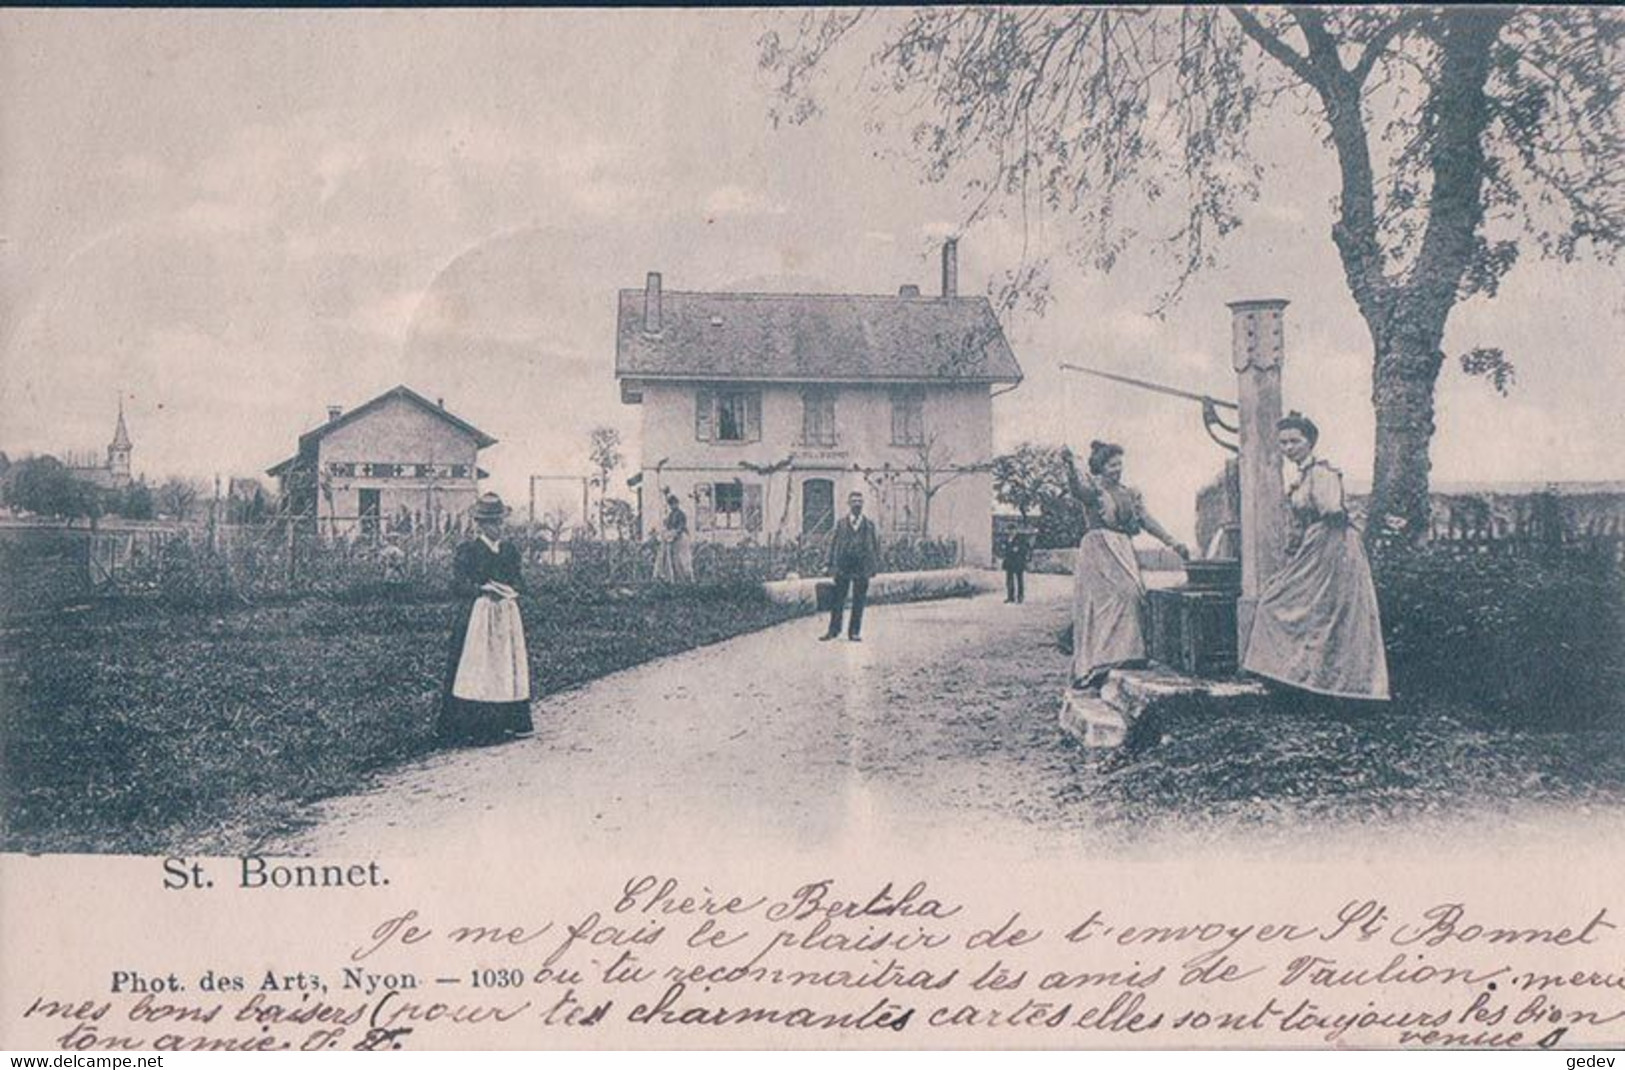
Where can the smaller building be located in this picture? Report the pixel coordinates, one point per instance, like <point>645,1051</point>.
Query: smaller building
<point>400,462</point>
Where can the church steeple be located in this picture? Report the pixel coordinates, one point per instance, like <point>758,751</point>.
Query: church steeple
<point>118,451</point>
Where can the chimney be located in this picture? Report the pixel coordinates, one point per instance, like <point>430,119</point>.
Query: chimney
<point>908,289</point>
<point>440,402</point>
<point>950,267</point>
<point>334,412</point>
<point>651,303</point>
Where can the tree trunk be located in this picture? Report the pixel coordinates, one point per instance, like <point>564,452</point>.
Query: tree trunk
<point>1404,373</point>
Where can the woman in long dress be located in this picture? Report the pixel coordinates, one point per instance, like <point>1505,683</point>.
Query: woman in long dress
<point>674,557</point>
<point>1316,626</point>
<point>682,547</point>
<point>1108,594</point>
<point>487,690</point>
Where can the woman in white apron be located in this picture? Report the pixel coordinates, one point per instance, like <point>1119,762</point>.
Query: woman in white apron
<point>1108,595</point>
<point>487,693</point>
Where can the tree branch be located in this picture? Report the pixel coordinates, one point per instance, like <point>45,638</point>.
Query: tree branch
<point>1380,41</point>
<point>1271,44</point>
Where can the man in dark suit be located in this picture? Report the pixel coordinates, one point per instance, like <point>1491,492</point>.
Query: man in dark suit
<point>854,556</point>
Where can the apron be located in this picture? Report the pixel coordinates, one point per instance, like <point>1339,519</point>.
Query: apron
<point>493,666</point>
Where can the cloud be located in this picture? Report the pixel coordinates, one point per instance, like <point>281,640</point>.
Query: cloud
<point>734,200</point>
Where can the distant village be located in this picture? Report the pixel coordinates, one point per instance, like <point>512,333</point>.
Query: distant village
<point>760,412</point>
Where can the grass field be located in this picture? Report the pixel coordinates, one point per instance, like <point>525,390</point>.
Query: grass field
<point>136,728</point>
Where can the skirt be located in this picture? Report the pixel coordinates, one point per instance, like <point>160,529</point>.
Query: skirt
<point>682,559</point>
<point>664,570</point>
<point>488,689</point>
<point>1316,626</point>
<point>1108,606</point>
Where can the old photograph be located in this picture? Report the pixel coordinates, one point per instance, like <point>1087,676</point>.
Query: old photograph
<point>1065,434</point>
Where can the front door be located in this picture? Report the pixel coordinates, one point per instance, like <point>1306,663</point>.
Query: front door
<point>817,507</point>
<point>370,511</point>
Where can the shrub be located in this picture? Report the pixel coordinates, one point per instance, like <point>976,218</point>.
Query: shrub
<point>1536,635</point>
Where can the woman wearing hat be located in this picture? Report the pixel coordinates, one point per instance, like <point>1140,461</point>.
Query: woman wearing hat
<point>1108,595</point>
<point>1316,626</point>
<point>487,695</point>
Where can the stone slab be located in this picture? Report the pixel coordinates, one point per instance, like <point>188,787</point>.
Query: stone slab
<point>1129,696</point>
<point>1090,721</point>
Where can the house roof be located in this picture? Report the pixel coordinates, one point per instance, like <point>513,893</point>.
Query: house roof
<point>310,439</point>
<point>813,337</point>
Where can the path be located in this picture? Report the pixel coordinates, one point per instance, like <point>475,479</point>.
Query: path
<point>770,734</point>
<point>943,724</point>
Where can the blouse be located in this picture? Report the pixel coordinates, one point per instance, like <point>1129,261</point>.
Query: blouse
<point>476,564</point>
<point>1317,494</point>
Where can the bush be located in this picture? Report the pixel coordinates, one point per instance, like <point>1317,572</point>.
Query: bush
<point>1535,635</point>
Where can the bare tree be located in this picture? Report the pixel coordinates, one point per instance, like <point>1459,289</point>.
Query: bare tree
<point>554,523</point>
<point>1464,137</point>
<point>605,452</point>
<point>934,467</point>
<point>177,497</point>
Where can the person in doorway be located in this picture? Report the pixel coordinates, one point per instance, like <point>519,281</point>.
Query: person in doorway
<point>1108,594</point>
<point>1017,555</point>
<point>854,556</point>
<point>487,690</point>
<point>1316,627</point>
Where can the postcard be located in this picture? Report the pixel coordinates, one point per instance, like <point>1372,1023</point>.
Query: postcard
<point>943,527</point>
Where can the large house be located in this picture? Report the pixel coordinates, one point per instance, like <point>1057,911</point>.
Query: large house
<point>762,412</point>
<point>398,462</point>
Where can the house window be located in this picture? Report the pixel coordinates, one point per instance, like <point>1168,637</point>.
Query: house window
<point>730,506</point>
<point>818,417</point>
<point>908,418</point>
<point>907,508</point>
<point>728,415</point>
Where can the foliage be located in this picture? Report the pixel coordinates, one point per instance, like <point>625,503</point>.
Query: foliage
<point>605,453</point>
<point>1515,629</point>
<point>1028,476</point>
<point>132,502</point>
<point>621,518</point>
<point>47,487</point>
<point>1463,136</point>
<point>246,715</point>
<point>178,497</point>
<point>1032,479</point>
<point>230,565</point>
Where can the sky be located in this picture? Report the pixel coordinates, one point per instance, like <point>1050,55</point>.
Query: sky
<point>234,219</point>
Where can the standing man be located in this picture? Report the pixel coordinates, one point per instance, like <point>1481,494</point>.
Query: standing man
<point>1017,554</point>
<point>854,556</point>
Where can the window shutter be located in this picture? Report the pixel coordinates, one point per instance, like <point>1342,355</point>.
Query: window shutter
<point>753,507</point>
<point>704,514</point>
<point>753,416</point>
<point>704,404</point>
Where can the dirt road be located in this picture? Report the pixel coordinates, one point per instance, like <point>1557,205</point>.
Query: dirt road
<point>943,723</point>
